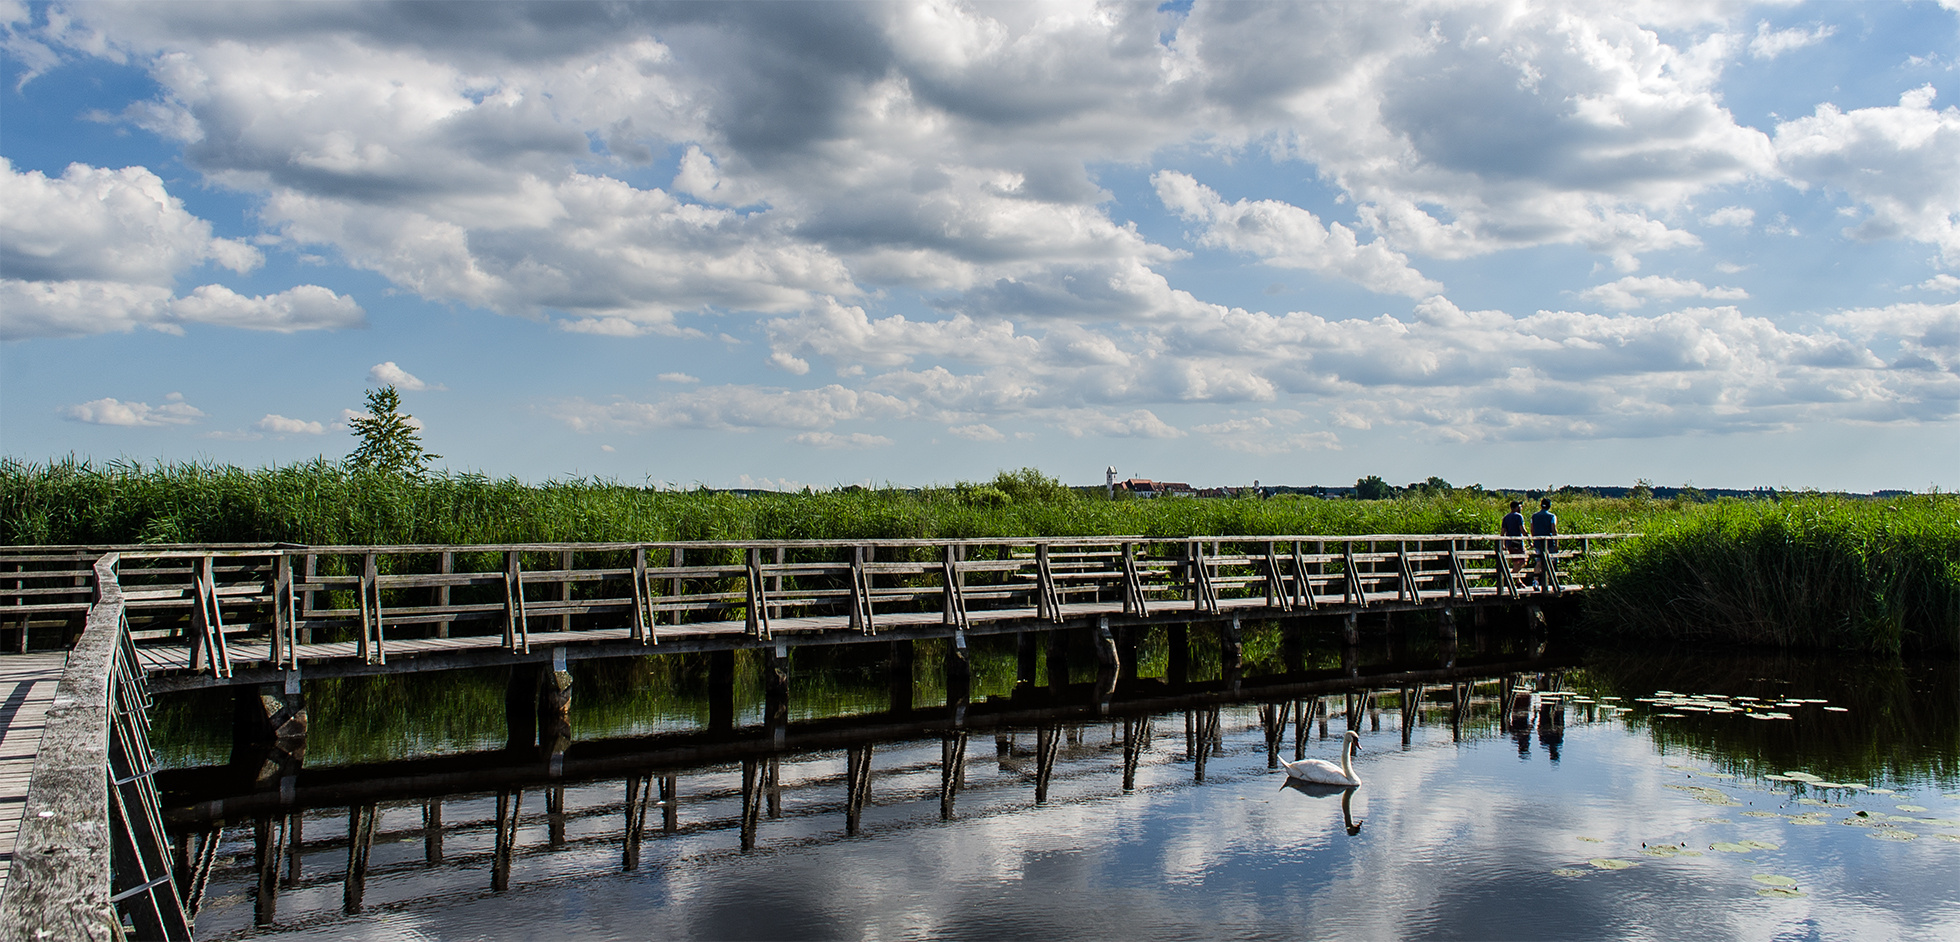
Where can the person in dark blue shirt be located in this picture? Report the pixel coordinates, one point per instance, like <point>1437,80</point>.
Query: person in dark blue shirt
<point>1544,530</point>
<point>1512,529</point>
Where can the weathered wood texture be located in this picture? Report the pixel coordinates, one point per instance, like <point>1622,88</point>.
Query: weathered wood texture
<point>27,686</point>
<point>59,884</point>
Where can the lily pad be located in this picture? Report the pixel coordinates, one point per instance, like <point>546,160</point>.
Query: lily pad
<point>1760,845</point>
<point>1893,834</point>
<point>1730,847</point>
<point>1611,863</point>
<point>1662,850</point>
<point>1949,837</point>
<point>1761,814</point>
<point>1591,840</point>
<point>1837,709</point>
<point>1569,872</point>
<point>1771,879</point>
<point>1779,892</point>
<point>1802,776</point>
<point>1910,807</point>
<point>1704,794</point>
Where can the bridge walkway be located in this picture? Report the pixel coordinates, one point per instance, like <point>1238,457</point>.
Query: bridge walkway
<point>27,683</point>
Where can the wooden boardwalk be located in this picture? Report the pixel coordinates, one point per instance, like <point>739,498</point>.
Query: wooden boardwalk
<point>205,616</point>
<point>171,669</point>
<point>27,683</point>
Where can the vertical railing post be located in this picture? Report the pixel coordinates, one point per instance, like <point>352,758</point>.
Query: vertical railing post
<point>642,598</point>
<point>517,634</point>
<point>447,566</point>
<point>1134,602</point>
<point>1406,574</point>
<point>1276,594</point>
<point>758,617</point>
<point>1355,593</point>
<point>955,587</point>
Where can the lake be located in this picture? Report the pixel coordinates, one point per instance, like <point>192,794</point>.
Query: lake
<point>1598,794</point>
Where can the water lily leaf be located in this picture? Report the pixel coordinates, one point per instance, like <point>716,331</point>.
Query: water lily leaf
<point>1760,845</point>
<point>1771,879</point>
<point>1611,863</point>
<point>1910,807</point>
<point>1780,892</point>
<point>1894,834</point>
<point>1730,847</point>
<point>1761,814</point>
<point>1837,709</point>
<point>1780,778</point>
<point>1803,776</point>
<point>1948,837</point>
<point>1716,775</point>
<point>1591,840</point>
<point>1704,794</point>
<point>1662,850</point>
<point>1883,791</point>
<point>1569,872</point>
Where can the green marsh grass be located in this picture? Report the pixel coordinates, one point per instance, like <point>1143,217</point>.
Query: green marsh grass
<point>1805,572</point>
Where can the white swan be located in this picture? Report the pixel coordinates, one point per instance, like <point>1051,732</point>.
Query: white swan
<point>1323,772</point>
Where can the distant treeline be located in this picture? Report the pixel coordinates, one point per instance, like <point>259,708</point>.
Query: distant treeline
<point>1791,570</point>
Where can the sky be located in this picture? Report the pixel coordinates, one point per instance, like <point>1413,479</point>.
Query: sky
<point>758,245</point>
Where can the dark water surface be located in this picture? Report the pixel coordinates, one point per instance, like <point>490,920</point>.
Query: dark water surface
<point>1520,815</point>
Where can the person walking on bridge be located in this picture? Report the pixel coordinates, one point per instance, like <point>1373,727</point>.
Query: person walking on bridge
<point>1512,530</point>
<point>1544,532</point>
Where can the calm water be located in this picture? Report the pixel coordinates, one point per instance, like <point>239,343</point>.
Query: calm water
<point>1577,816</point>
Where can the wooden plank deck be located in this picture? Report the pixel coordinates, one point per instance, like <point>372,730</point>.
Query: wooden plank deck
<point>27,683</point>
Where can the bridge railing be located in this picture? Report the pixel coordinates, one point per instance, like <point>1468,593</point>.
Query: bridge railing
<point>91,859</point>
<point>265,603</point>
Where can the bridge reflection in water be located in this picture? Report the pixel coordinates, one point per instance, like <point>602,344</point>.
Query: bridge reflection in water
<point>316,845</point>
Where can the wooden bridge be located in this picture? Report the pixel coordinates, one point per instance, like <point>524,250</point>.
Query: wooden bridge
<point>232,615</point>
<point>262,618</point>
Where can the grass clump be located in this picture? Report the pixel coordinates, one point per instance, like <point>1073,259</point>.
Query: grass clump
<point>1806,572</point>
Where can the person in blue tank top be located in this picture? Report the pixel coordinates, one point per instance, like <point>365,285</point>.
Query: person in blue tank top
<point>1544,530</point>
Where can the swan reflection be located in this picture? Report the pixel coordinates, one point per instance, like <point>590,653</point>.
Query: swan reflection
<point>1316,790</point>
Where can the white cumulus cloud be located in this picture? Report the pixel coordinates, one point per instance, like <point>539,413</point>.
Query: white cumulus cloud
<point>389,374</point>
<point>1286,236</point>
<point>1769,43</point>
<point>174,411</point>
<point>854,440</point>
<point>1901,162</point>
<point>1632,292</point>
<point>276,424</point>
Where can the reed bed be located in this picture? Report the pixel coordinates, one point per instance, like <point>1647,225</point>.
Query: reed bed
<point>1806,572</point>
<point>326,503</point>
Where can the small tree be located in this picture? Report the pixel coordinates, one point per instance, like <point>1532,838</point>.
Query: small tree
<point>389,441</point>
<point>1373,487</point>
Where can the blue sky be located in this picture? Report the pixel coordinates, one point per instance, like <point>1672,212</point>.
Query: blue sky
<point>754,245</point>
